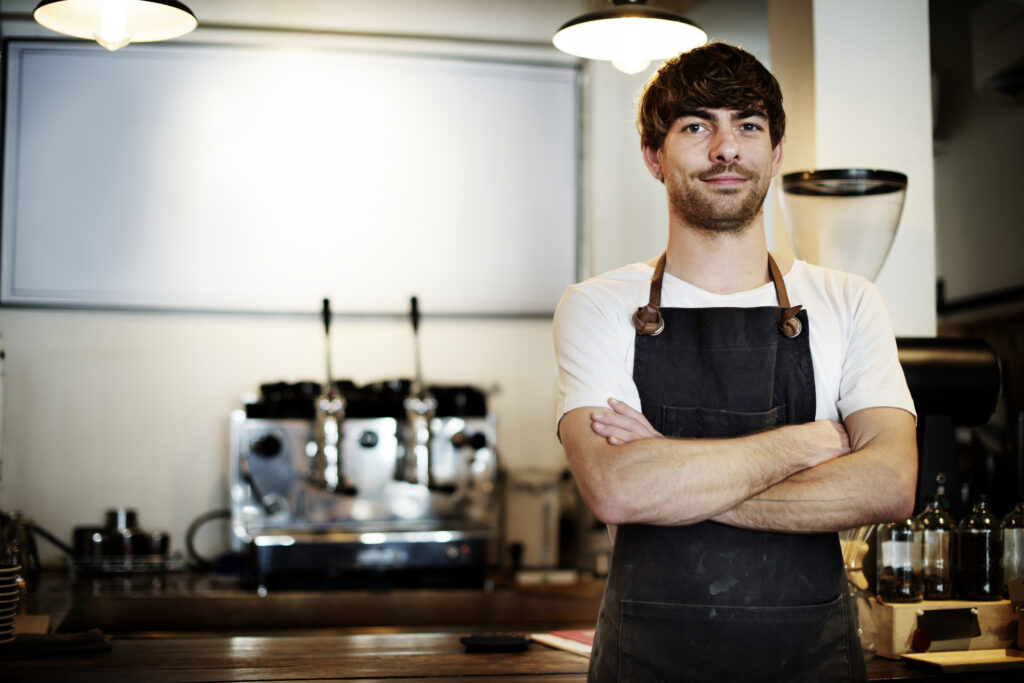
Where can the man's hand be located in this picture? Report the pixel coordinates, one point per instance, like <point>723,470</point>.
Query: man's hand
<point>827,438</point>
<point>623,425</point>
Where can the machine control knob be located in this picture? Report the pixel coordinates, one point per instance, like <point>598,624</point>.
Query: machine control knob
<point>368,439</point>
<point>267,446</point>
<point>475,441</point>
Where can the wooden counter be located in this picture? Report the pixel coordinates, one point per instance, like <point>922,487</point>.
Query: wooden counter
<point>364,657</point>
<point>393,657</point>
<point>188,629</point>
<point>200,602</point>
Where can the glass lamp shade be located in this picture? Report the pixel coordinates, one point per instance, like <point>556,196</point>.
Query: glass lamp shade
<point>629,34</point>
<point>115,23</point>
<point>843,218</point>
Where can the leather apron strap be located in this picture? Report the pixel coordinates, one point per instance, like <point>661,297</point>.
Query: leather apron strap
<point>789,324</point>
<point>647,320</point>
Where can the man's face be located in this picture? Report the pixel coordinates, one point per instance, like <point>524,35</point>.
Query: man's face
<point>717,165</point>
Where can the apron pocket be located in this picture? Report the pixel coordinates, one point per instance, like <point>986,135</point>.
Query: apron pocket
<point>670,642</point>
<point>710,423</point>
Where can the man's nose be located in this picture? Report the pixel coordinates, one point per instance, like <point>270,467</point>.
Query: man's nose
<point>723,146</point>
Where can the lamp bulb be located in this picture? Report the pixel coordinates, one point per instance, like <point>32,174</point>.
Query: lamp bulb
<point>630,65</point>
<point>113,33</point>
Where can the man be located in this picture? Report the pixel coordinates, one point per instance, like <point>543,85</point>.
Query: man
<point>727,433</point>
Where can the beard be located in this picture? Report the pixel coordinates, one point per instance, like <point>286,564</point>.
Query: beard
<point>720,211</point>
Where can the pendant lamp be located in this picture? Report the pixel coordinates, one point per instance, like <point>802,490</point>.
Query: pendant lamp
<point>629,34</point>
<point>115,23</point>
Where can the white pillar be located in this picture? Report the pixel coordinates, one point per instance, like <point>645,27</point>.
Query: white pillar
<point>856,83</point>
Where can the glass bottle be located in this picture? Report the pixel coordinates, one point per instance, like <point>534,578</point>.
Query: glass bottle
<point>981,554</point>
<point>937,531</point>
<point>899,562</point>
<point>1013,545</point>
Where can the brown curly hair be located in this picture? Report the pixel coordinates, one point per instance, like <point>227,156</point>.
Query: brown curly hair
<point>716,75</point>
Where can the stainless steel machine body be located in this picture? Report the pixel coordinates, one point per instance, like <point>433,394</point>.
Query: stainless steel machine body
<point>384,527</point>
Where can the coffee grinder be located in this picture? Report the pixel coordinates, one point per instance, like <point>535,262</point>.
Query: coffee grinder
<point>847,219</point>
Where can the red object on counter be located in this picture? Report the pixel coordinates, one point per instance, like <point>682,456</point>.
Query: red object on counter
<point>920,641</point>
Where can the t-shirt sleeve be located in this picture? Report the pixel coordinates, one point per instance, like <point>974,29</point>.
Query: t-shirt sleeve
<point>872,375</point>
<point>592,340</point>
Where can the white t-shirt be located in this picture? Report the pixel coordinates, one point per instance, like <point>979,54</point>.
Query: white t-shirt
<point>853,349</point>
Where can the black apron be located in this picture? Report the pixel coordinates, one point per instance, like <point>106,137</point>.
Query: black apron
<point>708,601</point>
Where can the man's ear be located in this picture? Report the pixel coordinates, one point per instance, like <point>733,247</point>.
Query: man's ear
<point>776,158</point>
<point>652,160</point>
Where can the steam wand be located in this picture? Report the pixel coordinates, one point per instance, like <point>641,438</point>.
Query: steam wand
<point>327,467</point>
<point>420,408</point>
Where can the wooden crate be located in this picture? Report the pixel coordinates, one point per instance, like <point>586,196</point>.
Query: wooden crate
<point>895,624</point>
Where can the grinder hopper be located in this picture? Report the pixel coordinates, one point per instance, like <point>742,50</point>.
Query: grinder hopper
<point>843,218</point>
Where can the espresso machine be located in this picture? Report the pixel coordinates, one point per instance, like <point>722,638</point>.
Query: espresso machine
<point>387,484</point>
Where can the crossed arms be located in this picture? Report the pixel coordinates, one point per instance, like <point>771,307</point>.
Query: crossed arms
<point>812,477</point>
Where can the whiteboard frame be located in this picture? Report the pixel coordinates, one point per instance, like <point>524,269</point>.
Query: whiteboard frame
<point>376,291</point>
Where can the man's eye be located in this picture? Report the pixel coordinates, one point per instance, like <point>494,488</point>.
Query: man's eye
<point>692,128</point>
<point>750,126</point>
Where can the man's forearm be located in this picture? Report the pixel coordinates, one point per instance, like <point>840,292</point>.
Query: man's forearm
<point>873,484</point>
<point>826,498</point>
<point>684,481</point>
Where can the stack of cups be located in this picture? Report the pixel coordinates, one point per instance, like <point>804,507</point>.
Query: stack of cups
<point>9,592</point>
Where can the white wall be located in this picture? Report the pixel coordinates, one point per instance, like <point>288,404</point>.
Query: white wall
<point>859,74</point>
<point>131,408</point>
<point>112,408</point>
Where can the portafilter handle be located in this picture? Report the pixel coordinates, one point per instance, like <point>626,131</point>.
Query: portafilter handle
<point>417,389</point>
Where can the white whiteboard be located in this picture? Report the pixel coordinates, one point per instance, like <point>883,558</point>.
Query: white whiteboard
<point>260,179</point>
